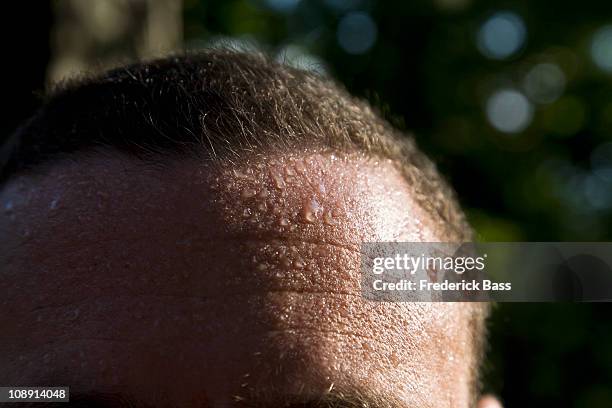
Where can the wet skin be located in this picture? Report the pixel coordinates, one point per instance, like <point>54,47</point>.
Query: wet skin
<point>190,284</point>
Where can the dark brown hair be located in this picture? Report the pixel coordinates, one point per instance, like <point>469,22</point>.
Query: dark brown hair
<point>219,105</point>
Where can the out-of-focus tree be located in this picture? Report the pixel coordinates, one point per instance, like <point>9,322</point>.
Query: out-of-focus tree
<point>89,36</point>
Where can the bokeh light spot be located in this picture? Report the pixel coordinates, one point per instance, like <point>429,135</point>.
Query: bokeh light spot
<point>601,48</point>
<point>356,33</point>
<point>544,83</point>
<point>601,162</point>
<point>343,5</point>
<point>509,111</point>
<point>282,6</point>
<point>502,35</point>
<point>597,192</point>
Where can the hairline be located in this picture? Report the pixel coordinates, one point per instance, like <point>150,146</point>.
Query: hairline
<point>248,88</point>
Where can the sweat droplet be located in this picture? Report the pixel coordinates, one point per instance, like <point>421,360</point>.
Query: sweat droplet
<point>311,210</point>
<point>328,218</point>
<point>284,222</point>
<point>242,175</point>
<point>299,166</point>
<point>247,212</point>
<point>248,193</point>
<point>286,262</point>
<point>279,182</point>
<point>309,216</point>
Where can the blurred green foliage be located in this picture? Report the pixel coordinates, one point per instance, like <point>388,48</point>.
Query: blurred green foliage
<point>432,68</point>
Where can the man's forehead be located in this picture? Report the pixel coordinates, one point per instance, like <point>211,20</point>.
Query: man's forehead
<point>260,258</point>
<point>280,192</point>
<point>293,221</point>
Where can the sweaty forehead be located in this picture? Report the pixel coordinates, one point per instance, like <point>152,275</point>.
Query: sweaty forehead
<point>334,198</point>
<point>238,279</point>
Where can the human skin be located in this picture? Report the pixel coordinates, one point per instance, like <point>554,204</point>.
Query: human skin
<point>213,285</point>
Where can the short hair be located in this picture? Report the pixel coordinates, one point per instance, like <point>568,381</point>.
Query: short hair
<point>220,105</point>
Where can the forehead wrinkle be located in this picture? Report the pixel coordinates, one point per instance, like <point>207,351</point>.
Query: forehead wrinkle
<point>349,230</point>
<point>211,204</point>
<point>361,227</point>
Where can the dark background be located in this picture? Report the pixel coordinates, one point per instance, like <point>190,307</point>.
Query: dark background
<point>513,100</point>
